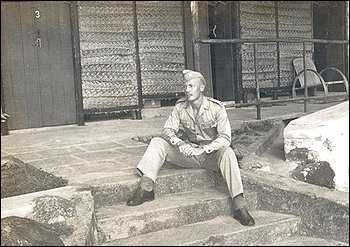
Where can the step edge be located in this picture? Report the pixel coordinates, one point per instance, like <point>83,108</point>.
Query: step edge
<point>291,218</point>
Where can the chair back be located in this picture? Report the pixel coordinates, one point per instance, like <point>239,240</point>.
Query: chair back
<point>312,78</point>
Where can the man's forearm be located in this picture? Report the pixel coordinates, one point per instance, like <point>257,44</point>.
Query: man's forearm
<point>170,136</point>
<point>216,144</point>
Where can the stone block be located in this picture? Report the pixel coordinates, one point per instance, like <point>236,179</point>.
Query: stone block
<point>324,213</point>
<point>19,178</point>
<point>110,193</point>
<point>220,231</point>
<point>69,211</point>
<point>318,173</point>
<point>322,136</point>
<point>17,231</point>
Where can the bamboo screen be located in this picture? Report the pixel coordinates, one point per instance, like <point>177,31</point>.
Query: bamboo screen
<point>161,44</point>
<point>295,21</point>
<point>107,49</point>
<point>258,20</point>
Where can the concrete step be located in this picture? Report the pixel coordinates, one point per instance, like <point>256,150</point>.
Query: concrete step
<point>221,230</point>
<point>113,190</point>
<point>172,210</point>
<point>308,241</point>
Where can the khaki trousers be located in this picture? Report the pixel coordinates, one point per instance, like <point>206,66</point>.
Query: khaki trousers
<point>223,159</point>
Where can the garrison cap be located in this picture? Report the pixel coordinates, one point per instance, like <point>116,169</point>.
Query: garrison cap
<point>190,74</point>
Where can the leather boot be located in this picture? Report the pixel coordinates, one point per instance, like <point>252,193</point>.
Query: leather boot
<point>243,216</point>
<point>140,196</point>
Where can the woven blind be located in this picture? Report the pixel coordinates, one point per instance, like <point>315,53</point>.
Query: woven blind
<point>161,45</point>
<point>258,20</point>
<point>107,50</point>
<point>295,21</point>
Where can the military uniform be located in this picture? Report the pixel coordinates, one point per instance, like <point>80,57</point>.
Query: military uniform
<point>209,129</point>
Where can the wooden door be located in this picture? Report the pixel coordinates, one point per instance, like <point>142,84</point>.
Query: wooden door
<point>37,64</point>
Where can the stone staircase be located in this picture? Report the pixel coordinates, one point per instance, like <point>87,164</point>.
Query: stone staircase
<point>191,208</point>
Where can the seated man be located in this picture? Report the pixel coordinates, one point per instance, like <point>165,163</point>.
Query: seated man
<point>205,143</point>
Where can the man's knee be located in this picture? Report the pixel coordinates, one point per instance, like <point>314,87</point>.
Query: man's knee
<point>225,152</point>
<point>158,141</point>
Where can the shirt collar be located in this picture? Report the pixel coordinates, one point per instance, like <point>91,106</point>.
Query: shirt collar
<point>205,103</point>
<point>204,106</point>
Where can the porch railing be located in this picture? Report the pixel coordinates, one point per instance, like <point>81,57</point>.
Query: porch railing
<point>258,103</point>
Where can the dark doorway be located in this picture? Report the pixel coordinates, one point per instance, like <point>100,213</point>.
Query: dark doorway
<point>329,23</point>
<point>223,56</point>
<point>37,64</point>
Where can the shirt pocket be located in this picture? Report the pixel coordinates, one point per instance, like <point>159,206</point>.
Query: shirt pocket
<point>187,124</point>
<point>208,124</point>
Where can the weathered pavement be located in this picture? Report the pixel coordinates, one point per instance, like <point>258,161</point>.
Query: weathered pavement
<point>41,144</point>
<point>103,156</point>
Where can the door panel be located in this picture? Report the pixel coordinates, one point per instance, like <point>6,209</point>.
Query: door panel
<point>31,69</point>
<point>37,61</point>
<point>329,23</point>
<point>13,64</point>
<point>221,27</point>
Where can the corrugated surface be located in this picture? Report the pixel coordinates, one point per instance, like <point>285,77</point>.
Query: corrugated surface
<point>107,50</point>
<point>258,20</point>
<point>295,21</point>
<point>161,47</point>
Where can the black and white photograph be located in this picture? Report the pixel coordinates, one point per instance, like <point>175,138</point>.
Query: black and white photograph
<point>174,123</point>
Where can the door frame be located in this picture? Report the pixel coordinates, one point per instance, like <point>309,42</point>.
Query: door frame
<point>74,20</point>
<point>232,31</point>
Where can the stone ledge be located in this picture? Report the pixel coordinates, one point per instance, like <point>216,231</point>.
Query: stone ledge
<point>69,210</point>
<point>220,231</point>
<point>321,137</point>
<point>324,212</point>
<point>265,132</point>
<point>113,192</point>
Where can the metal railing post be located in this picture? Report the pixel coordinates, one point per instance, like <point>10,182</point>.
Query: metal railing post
<point>258,107</point>
<point>305,77</point>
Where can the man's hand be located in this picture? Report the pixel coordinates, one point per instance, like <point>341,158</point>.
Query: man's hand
<point>198,151</point>
<point>186,149</point>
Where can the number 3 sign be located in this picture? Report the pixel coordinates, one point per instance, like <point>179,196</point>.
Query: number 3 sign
<point>37,14</point>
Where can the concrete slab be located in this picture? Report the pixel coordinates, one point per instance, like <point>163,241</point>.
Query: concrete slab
<point>114,190</point>
<point>69,210</point>
<point>98,152</point>
<point>324,212</point>
<point>308,241</point>
<point>322,136</point>
<point>222,230</point>
<point>121,221</point>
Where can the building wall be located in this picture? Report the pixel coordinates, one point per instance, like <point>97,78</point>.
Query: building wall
<point>258,20</point>
<point>295,21</point>
<point>161,42</point>
<point>107,50</point>
<point>107,43</point>
<point>109,74</point>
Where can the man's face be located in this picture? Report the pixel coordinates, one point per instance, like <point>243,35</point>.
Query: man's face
<point>194,89</point>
